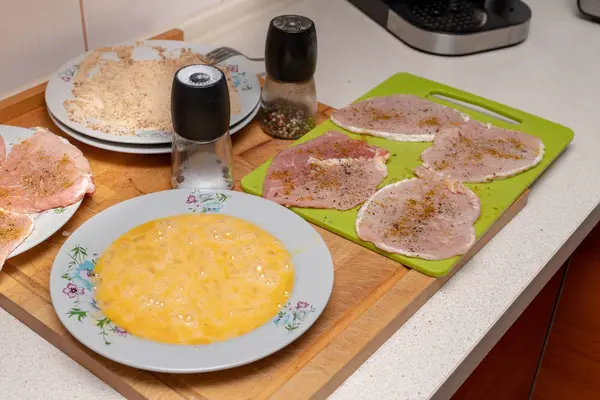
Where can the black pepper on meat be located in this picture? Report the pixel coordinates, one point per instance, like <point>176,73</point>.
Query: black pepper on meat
<point>330,171</point>
<point>420,218</point>
<point>399,117</point>
<point>474,152</point>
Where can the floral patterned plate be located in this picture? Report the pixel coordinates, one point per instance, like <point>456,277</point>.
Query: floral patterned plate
<point>60,89</point>
<point>47,222</point>
<point>138,148</point>
<point>73,298</point>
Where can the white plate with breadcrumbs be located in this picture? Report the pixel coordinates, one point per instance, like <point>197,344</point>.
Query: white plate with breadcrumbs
<point>45,223</point>
<point>137,148</point>
<point>119,128</point>
<point>72,290</point>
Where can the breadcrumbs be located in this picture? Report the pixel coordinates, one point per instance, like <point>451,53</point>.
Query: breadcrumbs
<point>125,95</point>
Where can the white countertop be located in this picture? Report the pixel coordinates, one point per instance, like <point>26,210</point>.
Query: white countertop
<point>553,75</point>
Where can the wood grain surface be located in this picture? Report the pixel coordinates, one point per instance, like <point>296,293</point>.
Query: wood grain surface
<point>372,296</point>
<point>570,367</point>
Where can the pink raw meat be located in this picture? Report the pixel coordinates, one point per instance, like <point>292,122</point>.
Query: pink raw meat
<point>477,153</point>
<point>14,229</point>
<point>401,117</point>
<point>43,172</point>
<point>330,171</point>
<point>427,217</point>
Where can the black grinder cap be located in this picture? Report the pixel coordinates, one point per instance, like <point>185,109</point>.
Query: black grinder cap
<point>200,108</point>
<point>291,48</point>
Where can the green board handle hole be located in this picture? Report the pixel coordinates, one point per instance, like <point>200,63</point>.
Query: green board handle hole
<point>475,105</point>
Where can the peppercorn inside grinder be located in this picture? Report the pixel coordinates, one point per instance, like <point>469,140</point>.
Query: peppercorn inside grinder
<point>289,98</point>
<point>200,111</point>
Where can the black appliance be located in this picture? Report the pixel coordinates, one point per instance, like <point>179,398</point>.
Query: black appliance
<point>452,27</point>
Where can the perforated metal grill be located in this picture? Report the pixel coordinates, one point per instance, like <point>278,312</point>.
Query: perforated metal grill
<point>452,16</point>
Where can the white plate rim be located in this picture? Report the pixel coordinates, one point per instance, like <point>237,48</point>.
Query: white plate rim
<point>243,123</point>
<point>111,146</point>
<point>309,296</point>
<point>59,89</point>
<point>46,223</point>
<point>137,148</point>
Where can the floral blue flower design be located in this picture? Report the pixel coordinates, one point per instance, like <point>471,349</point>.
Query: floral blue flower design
<point>79,289</point>
<point>292,315</point>
<point>68,74</point>
<point>94,305</point>
<point>240,80</point>
<point>206,202</point>
<point>82,275</point>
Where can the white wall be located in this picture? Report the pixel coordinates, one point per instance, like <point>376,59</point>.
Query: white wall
<point>38,36</point>
<point>113,21</point>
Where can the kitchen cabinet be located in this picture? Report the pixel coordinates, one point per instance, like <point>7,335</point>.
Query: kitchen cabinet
<point>509,369</point>
<point>569,365</point>
<point>570,368</point>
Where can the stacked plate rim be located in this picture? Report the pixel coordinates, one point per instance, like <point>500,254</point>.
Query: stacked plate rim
<point>60,87</point>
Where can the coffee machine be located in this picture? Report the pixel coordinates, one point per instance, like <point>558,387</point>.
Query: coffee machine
<point>590,8</point>
<point>451,27</point>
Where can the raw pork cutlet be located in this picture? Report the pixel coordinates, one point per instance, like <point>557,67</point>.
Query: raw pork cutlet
<point>401,117</point>
<point>14,229</point>
<point>474,152</point>
<point>43,172</point>
<point>429,217</point>
<point>330,171</point>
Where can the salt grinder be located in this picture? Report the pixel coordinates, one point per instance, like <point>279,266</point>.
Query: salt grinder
<point>200,111</point>
<point>289,98</point>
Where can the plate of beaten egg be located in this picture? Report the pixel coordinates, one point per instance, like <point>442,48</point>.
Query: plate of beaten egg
<point>189,281</point>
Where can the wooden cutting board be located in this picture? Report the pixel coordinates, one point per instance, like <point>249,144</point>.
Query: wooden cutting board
<point>372,296</point>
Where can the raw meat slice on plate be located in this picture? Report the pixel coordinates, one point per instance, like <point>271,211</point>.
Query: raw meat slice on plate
<point>400,117</point>
<point>474,152</point>
<point>330,171</point>
<point>43,172</point>
<point>14,229</point>
<point>429,217</point>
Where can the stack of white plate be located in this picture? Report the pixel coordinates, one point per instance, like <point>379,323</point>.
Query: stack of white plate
<point>60,89</point>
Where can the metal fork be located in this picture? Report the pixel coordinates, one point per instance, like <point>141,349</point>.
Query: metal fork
<point>223,53</point>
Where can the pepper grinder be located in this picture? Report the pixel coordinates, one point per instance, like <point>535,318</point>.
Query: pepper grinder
<point>200,111</point>
<point>289,97</point>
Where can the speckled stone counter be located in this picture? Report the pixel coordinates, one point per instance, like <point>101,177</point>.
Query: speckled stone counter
<point>553,75</point>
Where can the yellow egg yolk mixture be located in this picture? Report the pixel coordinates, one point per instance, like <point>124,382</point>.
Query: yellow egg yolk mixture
<point>192,279</point>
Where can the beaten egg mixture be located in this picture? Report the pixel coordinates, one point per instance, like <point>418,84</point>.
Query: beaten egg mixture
<point>191,279</point>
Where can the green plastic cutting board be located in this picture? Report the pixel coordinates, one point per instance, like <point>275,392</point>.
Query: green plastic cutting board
<point>496,197</point>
